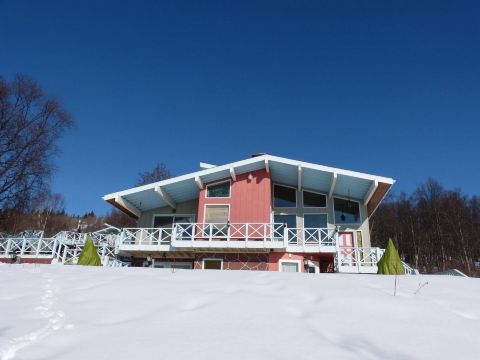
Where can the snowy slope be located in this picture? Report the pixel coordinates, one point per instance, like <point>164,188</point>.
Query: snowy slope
<point>55,312</point>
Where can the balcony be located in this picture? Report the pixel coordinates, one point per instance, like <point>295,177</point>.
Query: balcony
<point>229,236</point>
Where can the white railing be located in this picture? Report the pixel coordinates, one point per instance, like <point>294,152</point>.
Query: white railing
<point>224,235</point>
<point>146,236</point>
<point>363,260</point>
<point>312,236</point>
<point>229,231</point>
<point>65,247</point>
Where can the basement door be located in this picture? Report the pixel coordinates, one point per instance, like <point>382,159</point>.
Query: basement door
<point>347,250</point>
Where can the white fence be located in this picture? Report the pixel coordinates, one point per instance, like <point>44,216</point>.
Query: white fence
<point>228,235</point>
<point>65,247</point>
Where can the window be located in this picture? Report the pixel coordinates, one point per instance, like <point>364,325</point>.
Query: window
<point>311,224</point>
<point>163,221</point>
<point>166,221</point>
<point>311,199</point>
<point>289,221</point>
<point>216,214</point>
<point>346,211</point>
<point>289,266</point>
<point>284,196</point>
<point>219,190</point>
<point>315,221</point>
<point>212,264</point>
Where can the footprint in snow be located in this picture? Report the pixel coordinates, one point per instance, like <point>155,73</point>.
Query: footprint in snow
<point>55,320</point>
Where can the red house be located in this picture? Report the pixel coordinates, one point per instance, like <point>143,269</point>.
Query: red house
<point>261,213</point>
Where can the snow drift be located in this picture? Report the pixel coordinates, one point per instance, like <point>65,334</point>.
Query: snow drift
<point>70,312</point>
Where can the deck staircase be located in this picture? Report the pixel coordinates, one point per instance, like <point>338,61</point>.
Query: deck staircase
<point>62,248</point>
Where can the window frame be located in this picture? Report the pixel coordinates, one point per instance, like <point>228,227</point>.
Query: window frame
<point>314,192</point>
<point>212,259</point>
<point>298,262</point>
<point>213,205</point>
<point>284,207</point>
<point>359,211</point>
<point>218,183</point>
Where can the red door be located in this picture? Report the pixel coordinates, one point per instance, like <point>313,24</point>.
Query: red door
<point>346,245</point>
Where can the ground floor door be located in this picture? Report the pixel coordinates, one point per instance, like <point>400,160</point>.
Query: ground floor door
<point>347,251</point>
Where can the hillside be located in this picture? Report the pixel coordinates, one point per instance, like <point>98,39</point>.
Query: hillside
<point>50,312</point>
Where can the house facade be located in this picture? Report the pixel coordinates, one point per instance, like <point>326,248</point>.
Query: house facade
<point>261,213</point>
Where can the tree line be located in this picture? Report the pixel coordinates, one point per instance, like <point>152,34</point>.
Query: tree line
<point>434,229</point>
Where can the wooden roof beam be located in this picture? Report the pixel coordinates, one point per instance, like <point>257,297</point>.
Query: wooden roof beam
<point>165,197</point>
<point>370,192</point>
<point>332,184</point>
<point>128,205</point>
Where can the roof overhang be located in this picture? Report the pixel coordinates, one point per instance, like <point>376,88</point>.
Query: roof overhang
<point>366,188</point>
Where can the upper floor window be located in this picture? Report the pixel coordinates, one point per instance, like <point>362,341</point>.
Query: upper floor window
<point>312,199</point>
<point>219,190</point>
<point>346,211</point>
<point>284,196</point>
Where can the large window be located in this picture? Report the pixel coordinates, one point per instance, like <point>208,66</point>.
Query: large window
<point>219,190</point>
<point>314,221</point>
<point>216,214</point>
<point>346,211</point>
<point>312,199</point>
<point>284,197</point>
<point>167,221</point>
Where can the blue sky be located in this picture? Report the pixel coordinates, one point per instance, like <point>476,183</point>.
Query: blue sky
<point>390,88</point>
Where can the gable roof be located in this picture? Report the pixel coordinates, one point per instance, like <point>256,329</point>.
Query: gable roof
<point>370,189</point>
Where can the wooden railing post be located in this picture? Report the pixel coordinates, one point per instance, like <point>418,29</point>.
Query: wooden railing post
<point>39,246</point>
<point>24,243</point>
<point>7,249</point>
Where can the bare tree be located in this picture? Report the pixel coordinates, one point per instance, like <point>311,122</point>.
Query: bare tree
<point>31,124</point>
<point>158,173</point>
<point>434,228</point>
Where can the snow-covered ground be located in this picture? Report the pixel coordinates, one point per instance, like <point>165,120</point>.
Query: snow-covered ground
<point>69,312</point>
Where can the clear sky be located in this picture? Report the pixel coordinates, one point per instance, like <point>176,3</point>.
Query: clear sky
<point>390,88</point>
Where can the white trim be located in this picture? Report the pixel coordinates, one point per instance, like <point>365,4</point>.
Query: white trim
<point>199,182</point>
<point>128,205</point>
<point>314,207</point>
<point>205,211</point>
<point>299,178</point>
<point>360,221</point>
<point>232,174</point>
<point>284,207</point>
<point>205,166</point>
<point>163,194</point>
<point>174,215</point>
<point>212,259</point>
<point>332,184</point>
<point>218,183</point>
<point>370,192</point>
<point>267,167</point>
<point>258,159</point>
<point>281,261</point>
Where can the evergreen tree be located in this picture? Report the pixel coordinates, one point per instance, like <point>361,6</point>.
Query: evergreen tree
<point>390,263</point>
<point>89,254</point>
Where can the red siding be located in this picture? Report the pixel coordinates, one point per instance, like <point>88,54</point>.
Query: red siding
<point>250,200</point>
